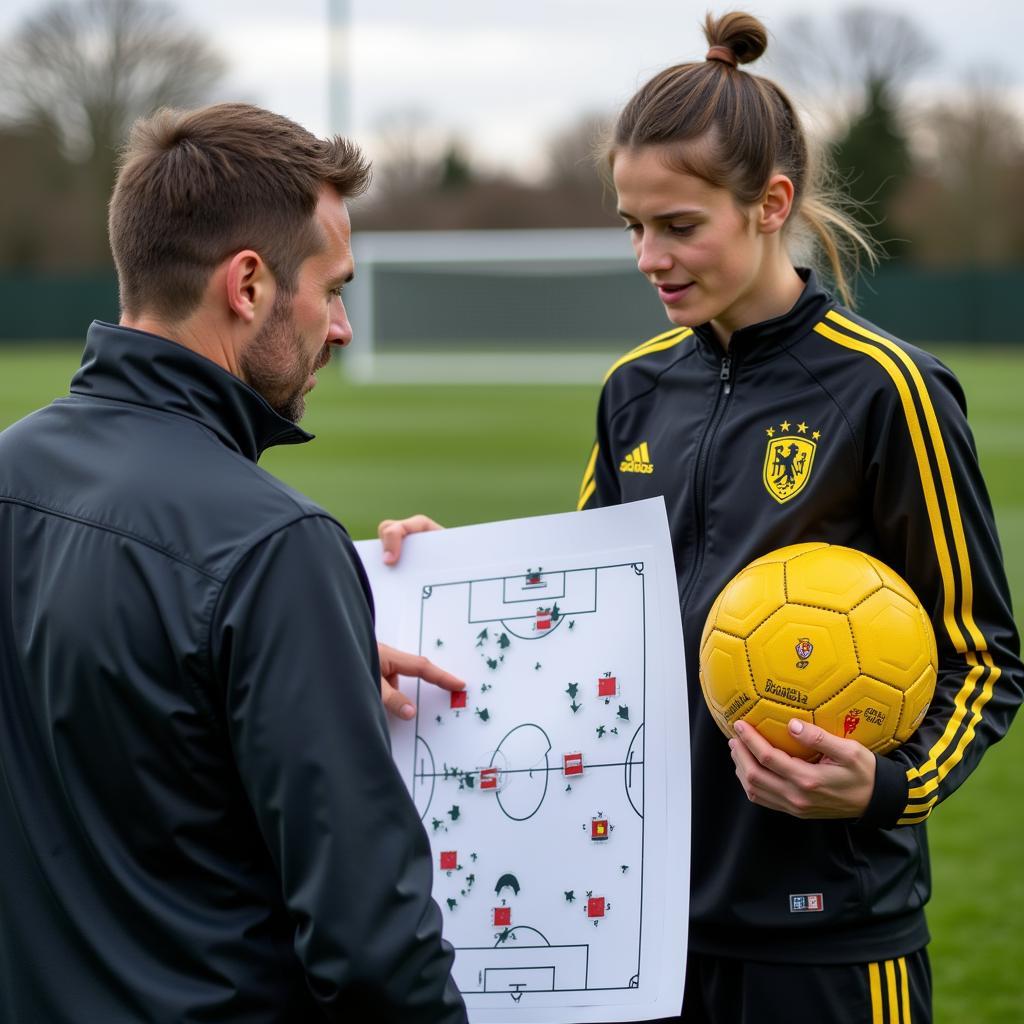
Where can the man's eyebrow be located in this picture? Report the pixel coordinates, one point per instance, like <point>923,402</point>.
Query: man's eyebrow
<point>334,282</point>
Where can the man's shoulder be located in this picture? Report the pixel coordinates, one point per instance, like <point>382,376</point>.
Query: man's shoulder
<point>161,479</point>
<point>292,502</point>
<point>222,500</point>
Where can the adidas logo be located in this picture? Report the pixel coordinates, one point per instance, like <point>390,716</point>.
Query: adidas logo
<point>637,461</point>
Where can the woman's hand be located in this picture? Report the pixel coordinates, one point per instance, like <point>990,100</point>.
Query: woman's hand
<point>838,786</point>
<point>393,531</point>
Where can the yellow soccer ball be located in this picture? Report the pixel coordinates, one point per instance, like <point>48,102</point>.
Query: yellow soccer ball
<point>822,633</point>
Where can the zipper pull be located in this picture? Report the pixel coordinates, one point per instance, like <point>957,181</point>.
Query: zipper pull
<point>726,374</point>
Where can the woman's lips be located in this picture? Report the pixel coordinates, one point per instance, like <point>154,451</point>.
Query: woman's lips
<point>669,293</point>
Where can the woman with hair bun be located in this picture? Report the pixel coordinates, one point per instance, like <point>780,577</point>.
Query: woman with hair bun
<point>808,880</point>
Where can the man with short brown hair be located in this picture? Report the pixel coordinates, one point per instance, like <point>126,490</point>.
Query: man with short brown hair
<point>199,817</point>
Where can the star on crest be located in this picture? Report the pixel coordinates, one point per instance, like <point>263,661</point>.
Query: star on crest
<point>802,428</point>
<point>816,435</point>
<point>770,431</point>
<point>784,426</point>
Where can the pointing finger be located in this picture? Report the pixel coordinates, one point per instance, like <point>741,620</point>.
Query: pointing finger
<point>394,662</point>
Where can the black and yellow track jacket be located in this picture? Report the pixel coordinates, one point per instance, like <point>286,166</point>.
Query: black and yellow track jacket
<point>894,473</point>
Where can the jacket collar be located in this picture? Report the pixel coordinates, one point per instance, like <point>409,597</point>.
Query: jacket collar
<point>127,365</point>
<point>757,342</point>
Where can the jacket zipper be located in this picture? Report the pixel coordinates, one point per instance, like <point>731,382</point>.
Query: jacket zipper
<point>725,377</point>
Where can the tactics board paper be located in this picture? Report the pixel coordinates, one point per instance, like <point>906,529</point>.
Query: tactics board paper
<point>555,789</point>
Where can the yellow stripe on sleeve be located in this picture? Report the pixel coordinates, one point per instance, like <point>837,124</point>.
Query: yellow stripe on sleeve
<point>918,814</point>
<point>967,587</point>
<point>658,344</point>
<point>959,713</point>
<point>664,336</point>
<point>915,814</point>
<point>945,474</point>
<point>931,496</point>
<point>588,473</point>
<point>586,495</point>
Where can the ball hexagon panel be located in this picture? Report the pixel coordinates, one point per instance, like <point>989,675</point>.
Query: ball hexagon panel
<point>783,674</point>
<point>750,598</point>
<point>891,642</point>
<point>867,711</point>
<point>832,577</point>
<point>772,720</point>
<point>893,581</point>
<point>916,700</point>
<point>782,554</point>
<point>725,676</point>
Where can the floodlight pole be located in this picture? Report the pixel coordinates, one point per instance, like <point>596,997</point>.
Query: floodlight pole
<point>359,297</point>
<point>339,66</point>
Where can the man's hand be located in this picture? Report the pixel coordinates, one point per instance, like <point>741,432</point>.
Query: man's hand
<point>837,786</point>
<point>393,531</point>
<point>394,663</point>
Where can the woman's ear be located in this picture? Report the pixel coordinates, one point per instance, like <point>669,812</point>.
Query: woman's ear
<point>777,204</point>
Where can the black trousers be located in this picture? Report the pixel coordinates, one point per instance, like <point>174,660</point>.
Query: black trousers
<point>724,991</point>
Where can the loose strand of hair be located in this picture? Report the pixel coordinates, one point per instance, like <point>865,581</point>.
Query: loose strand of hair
<point>847,247</point>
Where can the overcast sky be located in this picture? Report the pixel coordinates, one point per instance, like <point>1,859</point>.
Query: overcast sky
<point>505,76</point>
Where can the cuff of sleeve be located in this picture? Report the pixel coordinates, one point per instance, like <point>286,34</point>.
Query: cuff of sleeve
<point>890,794</point>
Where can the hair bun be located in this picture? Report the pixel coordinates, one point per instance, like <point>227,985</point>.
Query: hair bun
<point>742,34</point>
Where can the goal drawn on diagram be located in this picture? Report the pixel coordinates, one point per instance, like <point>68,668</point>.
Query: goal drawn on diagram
<point>536,968</point>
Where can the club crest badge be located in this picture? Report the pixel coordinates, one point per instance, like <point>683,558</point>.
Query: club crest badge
<point>804,649</point>
<point>788,459</point>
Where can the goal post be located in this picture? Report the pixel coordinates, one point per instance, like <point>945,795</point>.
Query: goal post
<point>522,306</point>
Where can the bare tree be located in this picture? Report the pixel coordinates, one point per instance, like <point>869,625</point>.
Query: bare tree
<point>841,60</point>
<point>88,69</point>
<point>850,68</point>
<point>421,185</point>
<point>965,208</point>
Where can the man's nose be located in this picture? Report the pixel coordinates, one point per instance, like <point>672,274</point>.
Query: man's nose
<point>339,331</point>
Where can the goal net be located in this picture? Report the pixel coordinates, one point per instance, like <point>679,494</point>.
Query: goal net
<point>495,306</point>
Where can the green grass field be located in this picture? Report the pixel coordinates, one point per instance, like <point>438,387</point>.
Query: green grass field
<point>471,454</point>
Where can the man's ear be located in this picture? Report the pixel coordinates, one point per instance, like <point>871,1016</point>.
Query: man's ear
<point>249,285</point>
<point>777,204</point>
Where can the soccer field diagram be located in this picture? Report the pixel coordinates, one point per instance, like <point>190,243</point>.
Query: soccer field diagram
<point>530,783</point>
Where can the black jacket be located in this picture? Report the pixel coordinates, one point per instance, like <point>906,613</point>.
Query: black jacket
<point>894,473</point>
<point>199,816</point>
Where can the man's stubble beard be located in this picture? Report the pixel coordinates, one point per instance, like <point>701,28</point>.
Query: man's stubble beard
<point>274,365</point>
